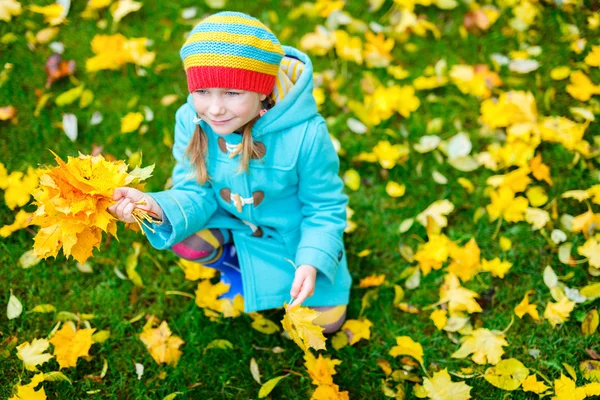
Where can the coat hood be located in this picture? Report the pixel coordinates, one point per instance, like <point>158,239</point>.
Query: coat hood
<point>297,106</point>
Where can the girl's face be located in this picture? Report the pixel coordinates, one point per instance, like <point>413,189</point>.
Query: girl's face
<point>226,110</point>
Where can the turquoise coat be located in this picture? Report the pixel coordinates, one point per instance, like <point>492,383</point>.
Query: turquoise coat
<point>293,195</point>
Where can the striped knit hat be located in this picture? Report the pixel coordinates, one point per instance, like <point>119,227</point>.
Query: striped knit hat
<point>231,50</point>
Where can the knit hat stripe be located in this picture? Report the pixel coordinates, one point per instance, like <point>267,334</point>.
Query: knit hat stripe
<point>241,39</point>
<point>229,78</point>
<point>241,29</point>
<point>226,19</point>
<point>231,50</point>
<point>219,60</point>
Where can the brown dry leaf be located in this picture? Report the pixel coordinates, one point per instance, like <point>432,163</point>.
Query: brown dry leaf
<point>298,322</point>
<point>162,345</point>
<point>57,68</point>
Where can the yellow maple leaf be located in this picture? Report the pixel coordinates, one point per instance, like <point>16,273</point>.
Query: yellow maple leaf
<point>320,369</point>
<point>329,392</point>
<point>298,323</point>
<point>510,108</point>
<point>565,389</point>
<point>438,210</point>
<point>394,189</point>
<point>22,220</point>
<point>358,329</point>
<point>485,345</point>
<point>581,87</point>
<point>537,196</point>
<point>9,9</point>
<point>496,266</point>
<point>557,313</point>
<point>54,14</point>
<point>525,308</point>
<point>406,346</point>
<point>531,384</point>
<point>194,270</point>
<point>114,51</point>
<point>162,345</point>
<point>207,297</point>
<point>19,187</point>
<point>591,250</point>
<point>28,392</point>
<point>465,260</point>
<point>441,387</point>
<point>458,297</point>
<point>433,253</point>
<point>348,47</point>
<point>439,318</point>
<point>507,374</point>
<point>131,122</point>
<point>32,353</point>
<point>506,205</point>
<point>70,344</point>
<point>388,155</point>
<point>585,223</point>
<point>593,57</point>
<point>372,280</point>
<point>378,49</point>
<point>564,131</point>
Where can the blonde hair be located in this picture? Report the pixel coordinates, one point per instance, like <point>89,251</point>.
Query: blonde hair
<point>198,147</point>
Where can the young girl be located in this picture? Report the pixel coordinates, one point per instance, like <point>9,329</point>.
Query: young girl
<point>256,180</point>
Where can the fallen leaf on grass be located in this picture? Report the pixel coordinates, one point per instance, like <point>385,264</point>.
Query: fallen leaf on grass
<point>358,328</point>
<point>32,354</point>
<point>70,344</point>
<point>507,374</point>
<point>14,307</point>
<point>162,345</point>
<point>57,68</point>
<point>441,387</point>
<point>8,112</point>
<point>485,345</point>
<point>406,346</point>
<point>269,386</point>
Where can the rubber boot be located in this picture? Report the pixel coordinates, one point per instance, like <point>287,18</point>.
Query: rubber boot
<point>231,274</point>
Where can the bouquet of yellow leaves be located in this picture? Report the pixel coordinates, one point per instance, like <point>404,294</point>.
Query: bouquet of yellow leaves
<point>72,200</point>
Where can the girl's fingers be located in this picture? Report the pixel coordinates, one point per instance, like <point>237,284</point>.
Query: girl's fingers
<point>296,285</point>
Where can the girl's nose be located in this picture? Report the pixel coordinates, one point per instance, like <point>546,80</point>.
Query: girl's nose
<point>216,107</point>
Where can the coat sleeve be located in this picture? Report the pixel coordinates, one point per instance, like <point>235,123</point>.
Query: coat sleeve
<point>187,205</point>
<point>323,204</point>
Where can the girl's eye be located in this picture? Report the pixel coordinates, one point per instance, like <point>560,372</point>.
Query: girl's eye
<point>201,91</point>
<point>232,93</point>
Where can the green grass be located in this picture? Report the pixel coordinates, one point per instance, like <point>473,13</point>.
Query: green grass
<point>225,374</point>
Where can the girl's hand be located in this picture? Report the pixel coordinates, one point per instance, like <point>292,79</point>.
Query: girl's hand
<point>304,284</point>
<point>129,198</point>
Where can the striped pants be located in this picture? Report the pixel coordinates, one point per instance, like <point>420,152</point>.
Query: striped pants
<point>206,246</point>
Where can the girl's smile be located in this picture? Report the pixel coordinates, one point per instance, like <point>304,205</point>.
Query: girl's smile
<point>226,110</point>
